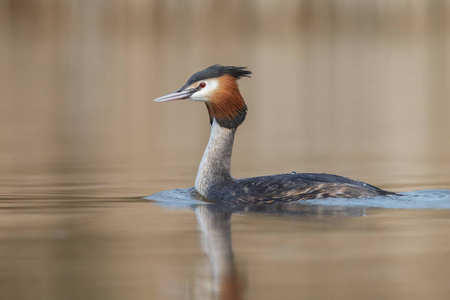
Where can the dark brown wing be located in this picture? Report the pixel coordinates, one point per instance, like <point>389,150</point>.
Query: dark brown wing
<point>293,187</point>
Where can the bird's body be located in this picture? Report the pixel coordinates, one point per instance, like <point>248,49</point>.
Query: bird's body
<point>217,87</point>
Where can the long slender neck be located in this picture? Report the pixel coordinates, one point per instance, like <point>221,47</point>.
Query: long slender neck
<point>215,167</point>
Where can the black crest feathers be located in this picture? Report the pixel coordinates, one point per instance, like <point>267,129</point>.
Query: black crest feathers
<point>215,71</point>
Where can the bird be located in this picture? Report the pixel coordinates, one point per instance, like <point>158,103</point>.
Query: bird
<point>217,87</point>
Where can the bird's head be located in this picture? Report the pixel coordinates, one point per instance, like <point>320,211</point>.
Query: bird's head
<point>217,87</point>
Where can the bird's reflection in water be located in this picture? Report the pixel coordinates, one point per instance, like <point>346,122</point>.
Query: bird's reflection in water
<point>215,226</point>
<point>214,221</point>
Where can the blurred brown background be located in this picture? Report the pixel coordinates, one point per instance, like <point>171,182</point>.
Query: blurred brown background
<point>359,88</point>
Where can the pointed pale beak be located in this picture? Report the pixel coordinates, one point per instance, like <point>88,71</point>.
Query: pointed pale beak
<point>177,95</point>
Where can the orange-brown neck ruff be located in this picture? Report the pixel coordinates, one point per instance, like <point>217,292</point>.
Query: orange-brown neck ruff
<point>227,105</point>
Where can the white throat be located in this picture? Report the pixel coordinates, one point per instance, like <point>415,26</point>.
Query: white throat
<point>215,167</point>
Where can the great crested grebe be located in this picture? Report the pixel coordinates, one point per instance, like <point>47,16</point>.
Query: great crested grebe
<point>217,87</point>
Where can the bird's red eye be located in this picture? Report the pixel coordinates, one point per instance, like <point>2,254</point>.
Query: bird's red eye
<point>202,84</point>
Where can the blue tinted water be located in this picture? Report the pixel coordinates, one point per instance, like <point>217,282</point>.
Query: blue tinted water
<point>422,199</point>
